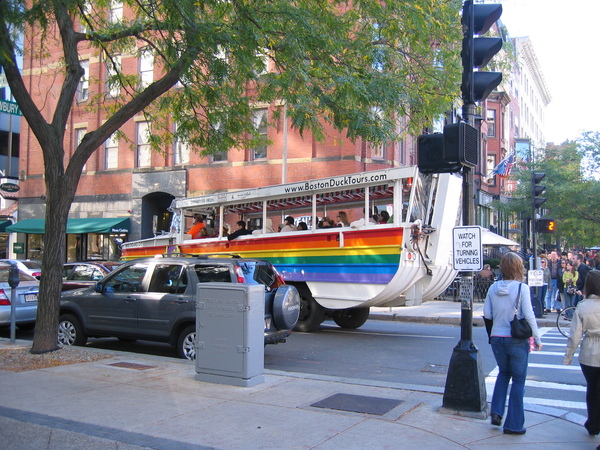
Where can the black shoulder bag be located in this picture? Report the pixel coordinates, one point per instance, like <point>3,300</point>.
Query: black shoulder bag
<point>520,328</point>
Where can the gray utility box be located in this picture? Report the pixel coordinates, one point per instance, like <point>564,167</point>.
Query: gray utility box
<point>230,326</point>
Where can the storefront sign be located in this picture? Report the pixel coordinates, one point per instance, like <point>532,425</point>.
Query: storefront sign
<point>9,187</point>
<point>18,247</point>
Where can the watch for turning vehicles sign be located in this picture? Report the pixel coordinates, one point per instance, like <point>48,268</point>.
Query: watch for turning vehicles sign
<point>467,250</point>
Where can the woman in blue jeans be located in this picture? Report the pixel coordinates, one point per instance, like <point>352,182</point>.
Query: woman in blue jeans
<point>511,354</point>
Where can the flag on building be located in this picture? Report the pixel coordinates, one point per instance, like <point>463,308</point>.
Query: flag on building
<point>505,166</point>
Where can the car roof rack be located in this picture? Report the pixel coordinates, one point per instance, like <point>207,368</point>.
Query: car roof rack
<point>199,256</point>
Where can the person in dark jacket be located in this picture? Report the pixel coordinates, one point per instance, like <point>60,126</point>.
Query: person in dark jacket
<point>241,231</point>
<point>582,269</point>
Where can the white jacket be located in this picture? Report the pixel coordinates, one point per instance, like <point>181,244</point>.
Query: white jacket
<point>586,323</point>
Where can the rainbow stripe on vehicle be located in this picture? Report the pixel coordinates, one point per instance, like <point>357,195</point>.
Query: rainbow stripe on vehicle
<point>340,255</point>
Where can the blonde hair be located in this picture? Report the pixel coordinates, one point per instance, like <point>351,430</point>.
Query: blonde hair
<point>511,267</point>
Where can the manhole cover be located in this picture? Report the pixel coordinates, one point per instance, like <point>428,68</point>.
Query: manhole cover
<point>435,368</point>
<point>358,403</point>
<point>128,365</point>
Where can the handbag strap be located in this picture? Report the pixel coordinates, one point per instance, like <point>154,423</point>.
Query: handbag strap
<point>518,299</point>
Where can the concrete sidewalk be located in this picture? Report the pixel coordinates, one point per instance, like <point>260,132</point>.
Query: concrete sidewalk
<point>130,401</point>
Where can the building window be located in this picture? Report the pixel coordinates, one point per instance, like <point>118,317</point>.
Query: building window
<point>146,68</point>
<point>111,152</point>
<point>116,11</point>
<point>377,151</point>
<point>262,63</point>
<point>491,122</point>
<point>259,120</point>
<point>144,152</point>
<point>84,82</point>
<point>87,12</point>
<point>490,165</point>
<point>181,150</point>
<point>219,129</point>
<point>79,134</point>
<point>113,68</point>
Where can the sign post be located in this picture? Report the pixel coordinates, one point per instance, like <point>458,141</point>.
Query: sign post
<point>465,382</point>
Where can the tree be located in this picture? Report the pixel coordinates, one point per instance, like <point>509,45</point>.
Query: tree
<point>572,187</point>
<point>359,66</point>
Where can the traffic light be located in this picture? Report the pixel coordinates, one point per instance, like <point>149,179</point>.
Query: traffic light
<point>461,144</point>
<point>430,152</point>
<point>478,51</point>
<point>545,225</point>
<point>450,151</point>
<point>537,189</point>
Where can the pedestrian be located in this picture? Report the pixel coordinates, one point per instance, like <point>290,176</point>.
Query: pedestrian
<point>582,269</point>
<point>570,277</point>
<point>586,323</point>
<point>511,354</point>
<point>561,285</point>
<point>552,297</point>
<point>547,283</point>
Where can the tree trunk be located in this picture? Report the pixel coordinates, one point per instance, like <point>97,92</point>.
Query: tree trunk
<point>59,197</point>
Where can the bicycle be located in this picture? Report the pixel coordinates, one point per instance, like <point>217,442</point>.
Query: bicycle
<point>563,321</point>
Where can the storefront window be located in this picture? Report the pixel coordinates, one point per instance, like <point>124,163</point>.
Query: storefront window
<point>35,246</point>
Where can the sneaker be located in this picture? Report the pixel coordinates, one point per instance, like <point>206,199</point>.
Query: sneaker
<point>547,311</point>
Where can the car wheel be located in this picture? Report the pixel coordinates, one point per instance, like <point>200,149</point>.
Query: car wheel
<point>311,314</point>
<point>70,331</point>
<point>286,307</point>
<point>186,344</point>
<point>351,317</point>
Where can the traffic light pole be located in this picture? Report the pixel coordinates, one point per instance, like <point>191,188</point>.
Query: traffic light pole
<point>465,383</point>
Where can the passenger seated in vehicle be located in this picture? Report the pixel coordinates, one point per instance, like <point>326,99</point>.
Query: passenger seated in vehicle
<point>302,226</point>
<point>241,230</point>
<point>289,225</point>
<point>268,227</point>
<point>342,218</point>
<point>197,227</point>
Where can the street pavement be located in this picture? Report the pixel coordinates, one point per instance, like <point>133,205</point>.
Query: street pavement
<point>131,401</point>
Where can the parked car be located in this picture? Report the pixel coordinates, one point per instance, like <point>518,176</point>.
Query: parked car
<point>29,266</point>
<point>83,274</point>
<point>154,299</point>
<point>26,299</point>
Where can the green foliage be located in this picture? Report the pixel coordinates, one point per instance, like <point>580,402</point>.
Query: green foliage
<point>572,190</point>
<point>493,262</point>
<point>358,67</point>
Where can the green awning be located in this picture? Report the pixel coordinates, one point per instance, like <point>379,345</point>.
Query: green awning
<point>74,226</point>
<point>4,224</point>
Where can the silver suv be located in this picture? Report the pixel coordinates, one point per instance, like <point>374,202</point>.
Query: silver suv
<point>155,299</point>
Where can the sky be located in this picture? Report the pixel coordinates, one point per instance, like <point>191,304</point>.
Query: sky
<point>564,35</point>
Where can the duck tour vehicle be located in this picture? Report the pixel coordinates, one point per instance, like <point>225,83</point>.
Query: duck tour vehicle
<point>341,271</point>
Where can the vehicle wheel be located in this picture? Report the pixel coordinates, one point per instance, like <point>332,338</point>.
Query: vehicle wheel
<point>351,317</point>
<point>186,344</point>
<point>311,314</point>
<point>563,321</point>
<point>70,331</point>
<point>286,307</point>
